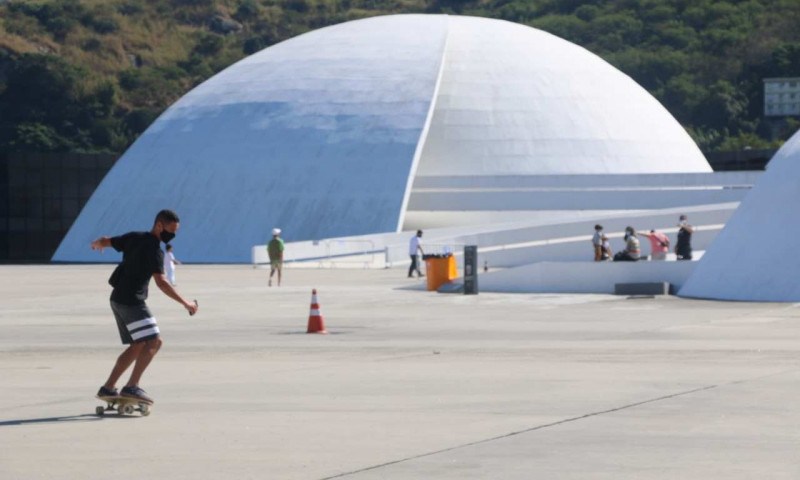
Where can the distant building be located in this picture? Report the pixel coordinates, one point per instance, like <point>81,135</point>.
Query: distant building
<point>781,97</point>
<point>40,196</point>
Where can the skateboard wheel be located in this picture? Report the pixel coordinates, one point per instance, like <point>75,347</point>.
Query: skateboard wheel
<point>127,409</point>
<point>145,409</point>
<point>100,411</point>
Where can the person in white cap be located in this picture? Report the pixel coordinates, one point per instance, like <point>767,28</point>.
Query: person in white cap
<point>275,250</point>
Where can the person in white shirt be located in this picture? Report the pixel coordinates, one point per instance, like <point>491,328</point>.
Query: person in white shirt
<point>606,249</point>
<point>169,265</point>
<point>414,246</point>
<point>632,250</point>
<point>597,243</point>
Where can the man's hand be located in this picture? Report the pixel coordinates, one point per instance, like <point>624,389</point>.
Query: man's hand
<point>169,290</point>
<point>191,307</point>
<point>101,243</point>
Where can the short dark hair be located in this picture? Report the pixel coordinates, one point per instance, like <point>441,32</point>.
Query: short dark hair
<point>167,216</point>
<point>169,246</point>
<point>419,232</point>
<point>598,227</point>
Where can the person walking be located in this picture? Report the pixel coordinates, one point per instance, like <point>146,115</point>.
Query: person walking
<point>142,259</point>
<point>659,245</point>
<point>414,246</point>
<point>169,264</point>
<point>275,250</point>
<point>683,247</point>
<point>597,243</point>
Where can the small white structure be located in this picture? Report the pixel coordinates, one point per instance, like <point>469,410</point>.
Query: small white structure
<point>324,134</point>
<point>755,256</point>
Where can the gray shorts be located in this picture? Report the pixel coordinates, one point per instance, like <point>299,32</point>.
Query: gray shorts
<point>135,322</point>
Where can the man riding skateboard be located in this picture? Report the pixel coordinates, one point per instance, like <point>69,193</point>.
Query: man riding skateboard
<point>142,259</point>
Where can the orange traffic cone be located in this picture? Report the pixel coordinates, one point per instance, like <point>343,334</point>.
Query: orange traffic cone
<point>315,323</point>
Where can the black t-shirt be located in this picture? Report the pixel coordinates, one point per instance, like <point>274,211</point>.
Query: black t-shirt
<point>141,258</point>
<point>684,241</point>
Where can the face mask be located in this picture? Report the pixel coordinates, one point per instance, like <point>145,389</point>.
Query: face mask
<point>166,236</point>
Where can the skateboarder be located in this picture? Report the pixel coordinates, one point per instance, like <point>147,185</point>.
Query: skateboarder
<point>142,258</point>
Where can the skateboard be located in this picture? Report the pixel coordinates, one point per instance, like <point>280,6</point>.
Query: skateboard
<point>123,406</point>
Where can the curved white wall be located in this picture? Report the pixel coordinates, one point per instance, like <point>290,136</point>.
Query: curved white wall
<point>516,100</point>
<point>755,257</point>
<point>316,135</point>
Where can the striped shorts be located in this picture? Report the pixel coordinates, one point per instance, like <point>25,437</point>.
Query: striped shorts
<point>135,322</point>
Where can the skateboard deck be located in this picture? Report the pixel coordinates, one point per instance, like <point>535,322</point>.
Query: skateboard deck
<point>123,406</point>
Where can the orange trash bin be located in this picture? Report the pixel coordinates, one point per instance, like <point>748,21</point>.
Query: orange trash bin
<point>440,269</point>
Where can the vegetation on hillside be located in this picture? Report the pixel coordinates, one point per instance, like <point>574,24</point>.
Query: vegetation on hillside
<point>91,75</point>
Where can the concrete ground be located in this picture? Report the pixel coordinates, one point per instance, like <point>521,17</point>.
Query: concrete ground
<point>407,385</point>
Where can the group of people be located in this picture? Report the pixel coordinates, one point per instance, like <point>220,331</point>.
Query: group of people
<point>659,244</point>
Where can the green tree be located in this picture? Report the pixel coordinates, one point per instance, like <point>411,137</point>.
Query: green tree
<point>568,27</point>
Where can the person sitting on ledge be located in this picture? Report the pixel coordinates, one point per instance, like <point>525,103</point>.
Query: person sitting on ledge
<point>605,253</point>
<point>631,252</point>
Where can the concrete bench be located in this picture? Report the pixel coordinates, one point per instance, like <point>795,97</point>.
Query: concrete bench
<point>642,288</point>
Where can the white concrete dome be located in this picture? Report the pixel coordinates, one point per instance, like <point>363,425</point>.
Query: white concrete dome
<point>324,133</point>
<point>516,100</point>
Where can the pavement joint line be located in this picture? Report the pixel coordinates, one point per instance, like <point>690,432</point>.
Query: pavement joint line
<point>559,422</point>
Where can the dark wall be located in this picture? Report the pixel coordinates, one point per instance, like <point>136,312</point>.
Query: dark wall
<point>740,160</point>
<point>40,196</point>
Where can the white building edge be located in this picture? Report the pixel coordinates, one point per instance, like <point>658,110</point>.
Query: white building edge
<point>535,250</point>
<point>755,257</point>
<point>480,131</point>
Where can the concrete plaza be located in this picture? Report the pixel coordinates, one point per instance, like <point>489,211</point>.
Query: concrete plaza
<point>407,385</point>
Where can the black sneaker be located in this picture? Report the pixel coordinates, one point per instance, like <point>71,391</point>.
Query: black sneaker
<point>135,392</point>
<point>107,392</point>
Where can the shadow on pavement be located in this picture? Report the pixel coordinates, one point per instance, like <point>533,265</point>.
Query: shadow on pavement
<point>88,417</point>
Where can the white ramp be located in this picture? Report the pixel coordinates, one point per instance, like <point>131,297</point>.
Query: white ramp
<point>504,244</point>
